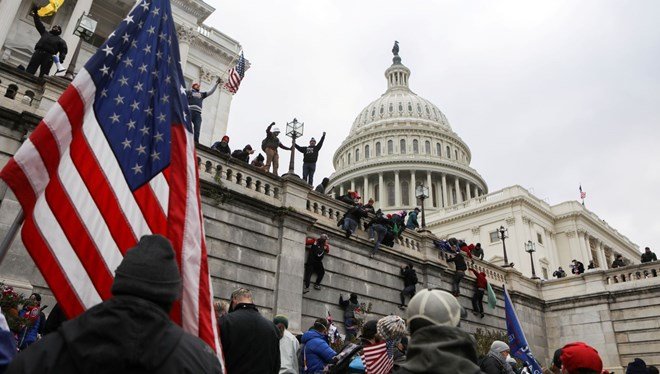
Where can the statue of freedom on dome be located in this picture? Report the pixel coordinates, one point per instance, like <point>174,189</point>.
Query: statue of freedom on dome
<point>395,49</point>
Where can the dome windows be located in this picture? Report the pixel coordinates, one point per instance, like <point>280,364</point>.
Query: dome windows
<point>382,109</point>
<point>428,112</point>
<point>390,194</point>
<point>402,146</point>
<point>427,147</point>
<point>448,152</point>
<point>373,111</point>
<point>438,149</point>
<point>400,107</point>
<point>366,152</point>
<point>349,159</point>
<point>419,108</point>
<point>415,146</point>
<point>377,149</point>
<point>357,154</point>
<point>410,107</point>
<point>391,108</point>
<point>390,147</point>
<point>405,193</point>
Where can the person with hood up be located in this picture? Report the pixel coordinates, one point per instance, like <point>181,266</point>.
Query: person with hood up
<point>129,333</point>
<point>479,290</point>
<point>243,155</point>
<point>618,262</point>
<point>637,366</point>
<point>495,360</point>
<point>315,350</point>
<point>50,44</point>
<point>270,145</point>
<point>258,161</point>
<point>412,219</point>
<point>321,188</point>
<point>250,342</point>
<point>350,322</point>
<point>222,146</point>
<point>310,156</point>
<point>195,100</point>
<point>437,345</point>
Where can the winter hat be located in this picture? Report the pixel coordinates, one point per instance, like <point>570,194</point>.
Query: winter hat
<point>281,319</point>
<point>275,129</point>
<point>637,367</point>
<point>312,140</point>
<point>260,156</point>
<point>391,327</point>
<point>433,307</point>
<point>353,297</point>
<point>579,355</point>
<point>225,139</point>
<point>149,271</point>
<point>369,329</point>
<point>499,346</point>
<point>247,147</point>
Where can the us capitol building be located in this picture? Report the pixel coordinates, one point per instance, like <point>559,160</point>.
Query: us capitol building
<point>401,140</point>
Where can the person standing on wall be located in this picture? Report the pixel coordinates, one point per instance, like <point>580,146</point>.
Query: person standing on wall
<point>270,145</point>
<point>49,45</point>
<point>311,155</point>
<point>195,99</point>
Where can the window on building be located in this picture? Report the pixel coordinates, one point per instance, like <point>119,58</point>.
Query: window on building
<point>427,147</point>
<point>448,152</point>
<point>390,147</point>
<point>402,146</point>
<point>539,238</point>
<point>434,196</point>
<point>357,155</point>
<point>376,192</point>
<point>377,149</point>
<point>349,159</point>
<point>456,155</point>
<point>455,196</point>
<point>545,272</point>
<point>494,237</point>
<point>438,149</point>
<point>405,194</point>
<point>366,152</point>
<point>415,146</point>
<point>390,194</point>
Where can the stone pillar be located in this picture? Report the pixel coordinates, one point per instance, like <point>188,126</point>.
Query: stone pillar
<point>381,191</point>
<point>186,36</point>
<point>457,185</point>
<point>397,189</point>
<point>352,184</point>
<point>587,244</point>
<point>82,6</point>
<point>341,189</point>
<point>8,10</point>
<point>411,190</point>
<point>468,192</point>
<point>365,189</point>
<point>445,201</point>
<point>600,252</point>
<point>429,184</point>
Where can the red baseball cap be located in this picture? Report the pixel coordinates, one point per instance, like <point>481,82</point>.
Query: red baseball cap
<point>579,355</point>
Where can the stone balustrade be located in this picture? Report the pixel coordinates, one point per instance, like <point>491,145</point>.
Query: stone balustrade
<point>632,273</point>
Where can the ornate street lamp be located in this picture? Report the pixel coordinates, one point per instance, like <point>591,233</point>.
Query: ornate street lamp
<point>422,193</point>
<point>294,129</point>
<point>530,248</point>
<point>84,30</point>
<point>502,234</point>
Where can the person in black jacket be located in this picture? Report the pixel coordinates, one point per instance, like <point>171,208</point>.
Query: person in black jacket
<point>250,342</point>
<point>495,361</point>
<point>350,322</point>
<point>352,219</point>
<point>48,45</point>
<point>311,155</point>
<point>129,333</point>
<point>409,283</point>
<point>317,249</point>
<point>243,155</point>
<point>461,267</point>
<point>321,188</point>
<point>577,267</point>
<point>648,256</point>
<point>222,146</point>
<point>377,230</point>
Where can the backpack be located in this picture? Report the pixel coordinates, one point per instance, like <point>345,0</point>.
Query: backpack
<point>414,276</point>
<point>263,144</point>
<point>237,153</point>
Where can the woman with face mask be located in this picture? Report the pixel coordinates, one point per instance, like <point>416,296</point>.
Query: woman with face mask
<point>495,361</point>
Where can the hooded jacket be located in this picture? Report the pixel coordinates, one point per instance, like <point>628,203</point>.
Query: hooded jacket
<point>49,42</point>
<point>440,349</point>
<point>311,153</point>
<point>317,351</point>
<point>124,334</point>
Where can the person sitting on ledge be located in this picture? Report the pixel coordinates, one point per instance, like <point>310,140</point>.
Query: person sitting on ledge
<point>478,252</point>
<point>243,155</point>
<point>648,256</point>
<point>222,146</point>
<point>591,265</point>
<point>559,273</point>
<point>259,161</point>
<point>577,267</point>
<point>618,262</point>
<point>321,188</point>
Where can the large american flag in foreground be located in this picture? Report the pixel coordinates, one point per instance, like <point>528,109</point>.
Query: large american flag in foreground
<point>236,75</point>
<point>113,160</point>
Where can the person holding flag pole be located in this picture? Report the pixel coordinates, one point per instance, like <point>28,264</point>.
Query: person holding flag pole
<point>583,194</point>
<point>112,162</point>
<point>517,341</point>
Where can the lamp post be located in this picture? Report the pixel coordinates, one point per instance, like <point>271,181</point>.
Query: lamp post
<point>294,129</point>
<point>530,248</point>
<point>502,234</point>
<point>422,193</point>
<point>84,30</point>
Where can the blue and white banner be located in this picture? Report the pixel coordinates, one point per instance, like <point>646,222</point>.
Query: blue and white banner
<point>517,341</point>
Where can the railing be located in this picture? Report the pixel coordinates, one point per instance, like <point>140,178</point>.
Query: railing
<point>633,273</point>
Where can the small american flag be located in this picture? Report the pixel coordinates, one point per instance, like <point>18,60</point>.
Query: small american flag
<point>582,193</point>
<point>113,160</point>
<point>236,75</point>
<point>376,359</point>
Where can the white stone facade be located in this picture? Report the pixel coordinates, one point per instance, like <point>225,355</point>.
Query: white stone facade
<point>206,53</point>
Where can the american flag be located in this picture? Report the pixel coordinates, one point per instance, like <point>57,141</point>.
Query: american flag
<point>236,75</point>
<point>376,359</point>
<point>582,193</point>
<point>113,160</point>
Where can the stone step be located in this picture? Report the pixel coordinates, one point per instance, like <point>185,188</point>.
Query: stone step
<point>636,313</point>
<point>638,336</point>
<point>638,324</point>
<point>635,303</point>
<point>640,348</point>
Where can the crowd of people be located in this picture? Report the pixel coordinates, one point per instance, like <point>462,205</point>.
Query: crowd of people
<point>577,267</point>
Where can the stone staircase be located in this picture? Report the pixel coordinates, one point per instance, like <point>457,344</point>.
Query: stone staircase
<point>637,328</point>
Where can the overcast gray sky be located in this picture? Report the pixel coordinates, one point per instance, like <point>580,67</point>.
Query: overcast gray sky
<point>547,95</point>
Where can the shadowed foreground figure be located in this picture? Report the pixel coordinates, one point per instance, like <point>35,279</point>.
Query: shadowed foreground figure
<point>130,332</point>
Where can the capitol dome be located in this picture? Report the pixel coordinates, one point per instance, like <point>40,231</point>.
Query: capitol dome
<point>400,141</point>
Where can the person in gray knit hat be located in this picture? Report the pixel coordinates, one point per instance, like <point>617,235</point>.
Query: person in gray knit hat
<point>130,332</point>
<point>495,361</point>
<point>437,344</point>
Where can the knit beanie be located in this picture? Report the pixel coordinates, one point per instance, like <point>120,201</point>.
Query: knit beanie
<point>149,271</point>
<point>637,367</point>
<point>281,319</point>
<point>499,346</point>
<point>391,327</point>
<point>369,329</point>
<point>433,307</point>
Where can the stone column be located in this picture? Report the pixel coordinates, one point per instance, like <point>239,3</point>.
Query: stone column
<point>186,36</point>
<point>587,244</point>
<point>468,192</point>
<point>397,189</point>
<point>457,186</point>
<point>8,10</point>
<point>381,191</point>
<point>411,190</point>
<point>445,201</point>
<point>600,252</point>
<point>365,188</point>
<point>82,6</point>
<point>429,184</point>
<point>341,189</point>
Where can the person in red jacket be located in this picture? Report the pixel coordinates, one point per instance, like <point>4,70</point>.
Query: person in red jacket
<point>314,265</point>
<point>478,297</point>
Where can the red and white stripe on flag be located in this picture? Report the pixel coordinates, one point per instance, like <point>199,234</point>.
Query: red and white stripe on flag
<point>376,359</point>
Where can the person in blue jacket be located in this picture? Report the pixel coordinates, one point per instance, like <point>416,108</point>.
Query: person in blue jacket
<point>316,350</point>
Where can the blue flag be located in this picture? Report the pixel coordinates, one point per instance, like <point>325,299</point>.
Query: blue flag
<point>517,342</point>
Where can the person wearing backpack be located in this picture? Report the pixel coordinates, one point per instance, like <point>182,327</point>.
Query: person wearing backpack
<point>243,155</point>
<point>409,282</point>
<point>316,352</point>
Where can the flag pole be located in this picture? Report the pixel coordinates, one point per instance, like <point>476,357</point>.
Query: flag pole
<point>11,234</point>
